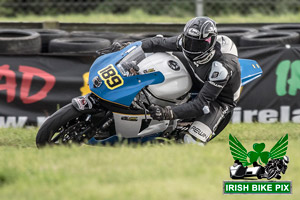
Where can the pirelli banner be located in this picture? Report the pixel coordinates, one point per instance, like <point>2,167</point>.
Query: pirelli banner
<point>274,97</point>
<point>33,87</point>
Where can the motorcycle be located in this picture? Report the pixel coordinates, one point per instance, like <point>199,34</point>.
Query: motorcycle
<point>117,107</point>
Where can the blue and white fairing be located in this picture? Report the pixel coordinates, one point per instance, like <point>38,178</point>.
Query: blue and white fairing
<point>250,70</point>
<point>166,75</point>
<point>115,87</point>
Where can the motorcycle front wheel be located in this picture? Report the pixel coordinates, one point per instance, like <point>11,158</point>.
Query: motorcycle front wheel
<point>61,127</point>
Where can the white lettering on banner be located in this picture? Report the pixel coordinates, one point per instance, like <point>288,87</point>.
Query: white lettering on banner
<point>12,121</point>
<point>40,120</point>
<point>18,122</point>
<point>285,118</point>
<point>248,115</point>
<point>296,116</point>
<point>266,115</point>
<point>237,115</point>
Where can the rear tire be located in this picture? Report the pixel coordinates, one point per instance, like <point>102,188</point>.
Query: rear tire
<point>54,122</point>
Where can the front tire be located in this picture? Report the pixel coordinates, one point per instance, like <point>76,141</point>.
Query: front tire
<point>54,122</point>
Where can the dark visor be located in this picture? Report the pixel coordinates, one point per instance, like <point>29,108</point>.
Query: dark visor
<point>193,45</point>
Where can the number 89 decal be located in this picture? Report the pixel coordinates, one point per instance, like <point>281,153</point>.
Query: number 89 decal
<point>111,77</point>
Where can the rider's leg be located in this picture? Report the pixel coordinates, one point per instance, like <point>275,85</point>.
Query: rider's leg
<point>208,126</point>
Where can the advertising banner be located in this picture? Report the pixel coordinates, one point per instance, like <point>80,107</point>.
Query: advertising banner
<point>274,97</point>
<point>33,87</point>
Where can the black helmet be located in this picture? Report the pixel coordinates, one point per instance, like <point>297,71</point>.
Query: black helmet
<point>198,39</point>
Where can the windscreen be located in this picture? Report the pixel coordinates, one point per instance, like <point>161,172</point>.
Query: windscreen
<point>134,54</point>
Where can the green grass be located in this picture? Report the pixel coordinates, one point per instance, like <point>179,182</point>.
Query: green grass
<point>140,16</point>
<point>124,172</point>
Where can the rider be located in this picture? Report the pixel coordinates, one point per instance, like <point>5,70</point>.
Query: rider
<point>212,62</point>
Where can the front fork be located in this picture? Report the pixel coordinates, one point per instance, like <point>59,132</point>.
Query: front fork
<point>96,114</point>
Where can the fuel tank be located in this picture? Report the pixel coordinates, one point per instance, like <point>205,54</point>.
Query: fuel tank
<point>177,81</point>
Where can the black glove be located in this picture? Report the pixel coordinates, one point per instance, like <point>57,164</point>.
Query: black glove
<point>117,46</point>
<point>160,113</point>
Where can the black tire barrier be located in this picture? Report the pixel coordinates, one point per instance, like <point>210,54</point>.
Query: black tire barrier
<point>269,38</point>
<point>140,36</point>
<point>125,40</point>
<point>14,41</point>
<point>281,27</point>
<point>235,33</point>
<point>68,45</point>
<point>49,34</point>
<point>94,34</point>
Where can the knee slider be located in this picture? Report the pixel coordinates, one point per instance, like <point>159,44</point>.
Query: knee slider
<point>200,131</point>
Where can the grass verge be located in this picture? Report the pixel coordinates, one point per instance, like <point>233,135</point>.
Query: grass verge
<point>124,172</point>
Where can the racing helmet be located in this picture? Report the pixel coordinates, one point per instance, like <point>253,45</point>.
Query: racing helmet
<point>198,39</point>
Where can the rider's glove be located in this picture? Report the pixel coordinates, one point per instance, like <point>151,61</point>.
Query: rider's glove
<point>117,46</point>
<point>161,113</point>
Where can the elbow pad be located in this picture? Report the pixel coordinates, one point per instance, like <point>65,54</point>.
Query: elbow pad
<point>218,72</point>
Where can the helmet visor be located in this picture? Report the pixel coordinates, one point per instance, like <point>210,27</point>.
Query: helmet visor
<point>194,46</point>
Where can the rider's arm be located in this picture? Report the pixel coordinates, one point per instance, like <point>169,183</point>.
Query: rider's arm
<point>160,44</point>
<point>200,105</point>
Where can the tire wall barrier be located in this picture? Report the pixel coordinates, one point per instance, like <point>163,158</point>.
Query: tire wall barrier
<point>33,41</point>
<point>34,85</point>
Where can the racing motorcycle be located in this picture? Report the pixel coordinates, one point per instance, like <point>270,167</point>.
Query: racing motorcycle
<point>117,107</point>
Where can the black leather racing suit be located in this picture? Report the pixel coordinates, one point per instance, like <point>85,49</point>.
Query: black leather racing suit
<point>217,82</point>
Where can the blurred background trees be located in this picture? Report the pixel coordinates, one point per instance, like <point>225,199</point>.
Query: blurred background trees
<point>156,7</point>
